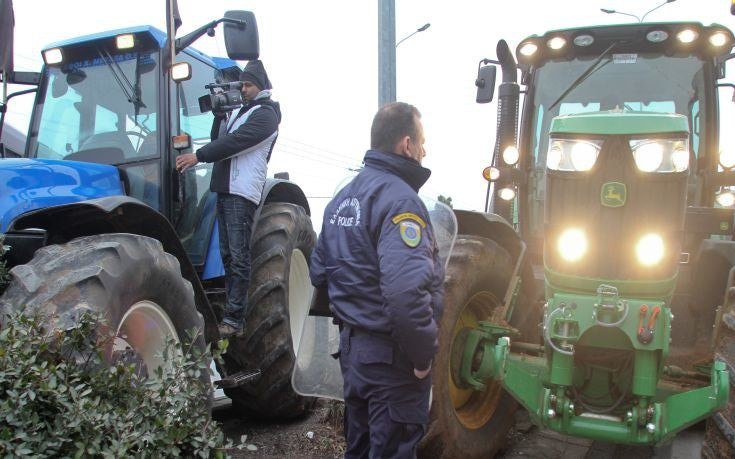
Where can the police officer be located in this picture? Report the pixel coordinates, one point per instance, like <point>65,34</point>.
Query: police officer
<point>378,259</point>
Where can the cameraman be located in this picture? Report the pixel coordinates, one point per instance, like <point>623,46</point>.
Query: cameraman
<point>241,147</point>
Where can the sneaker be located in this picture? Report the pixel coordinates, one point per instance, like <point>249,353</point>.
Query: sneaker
<point>227,330</point>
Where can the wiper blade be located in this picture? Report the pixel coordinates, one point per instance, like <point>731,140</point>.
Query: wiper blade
<point>589,71</point>
<point>127,88</point>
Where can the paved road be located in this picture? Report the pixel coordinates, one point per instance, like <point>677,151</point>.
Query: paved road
<point>527,441</point>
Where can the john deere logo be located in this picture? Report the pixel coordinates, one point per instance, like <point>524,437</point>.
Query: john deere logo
<point>613,194</point>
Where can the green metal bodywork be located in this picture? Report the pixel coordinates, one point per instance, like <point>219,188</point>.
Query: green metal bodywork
<point>619,123</point>
<point>606,340</point>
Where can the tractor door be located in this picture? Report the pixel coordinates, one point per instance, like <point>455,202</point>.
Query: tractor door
<point>193,207</point>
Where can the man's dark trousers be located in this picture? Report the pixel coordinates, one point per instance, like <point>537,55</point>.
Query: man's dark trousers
<point>235,219</point>
<point>386,405</point>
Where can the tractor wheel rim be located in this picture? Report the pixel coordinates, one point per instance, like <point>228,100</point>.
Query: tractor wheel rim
<point>146,329</point>
<point>473,408</point>
<point>299,296</point>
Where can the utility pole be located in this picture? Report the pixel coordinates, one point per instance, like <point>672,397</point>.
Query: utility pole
<point>386,52</point>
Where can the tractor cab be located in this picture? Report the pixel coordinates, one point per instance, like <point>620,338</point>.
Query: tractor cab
<point>609,77</point>
<point>104,99</point>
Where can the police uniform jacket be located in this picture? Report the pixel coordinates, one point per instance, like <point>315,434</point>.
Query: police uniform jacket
<point>241,156</point>
<point>378,258</point>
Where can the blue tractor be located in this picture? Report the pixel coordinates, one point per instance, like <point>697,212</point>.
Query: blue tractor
<point>98,219</point>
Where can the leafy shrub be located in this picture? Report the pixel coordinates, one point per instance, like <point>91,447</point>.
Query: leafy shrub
<point>62,398</point>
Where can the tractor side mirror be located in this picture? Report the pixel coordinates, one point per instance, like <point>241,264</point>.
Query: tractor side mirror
<point>241,40</point>
<point>485,83</point>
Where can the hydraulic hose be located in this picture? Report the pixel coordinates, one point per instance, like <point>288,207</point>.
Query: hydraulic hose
<point>547,335</point>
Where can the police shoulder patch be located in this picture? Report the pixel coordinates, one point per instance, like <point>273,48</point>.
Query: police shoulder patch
<point>410,233</point>
<point>408,216</point>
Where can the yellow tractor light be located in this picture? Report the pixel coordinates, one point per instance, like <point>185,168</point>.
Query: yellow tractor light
<point>125,41</point>
<point>491,173</point>
<point>510,155</point>
<point>718,39</point>
<point>650,249</point>
<point>507,194</point>
<point>726,199</point>
<point>557,43</point>
<point>572,244</point>
<point>727,159</point>
<point>687,36</point>
<point>529,49</point>
<point>52,56</point>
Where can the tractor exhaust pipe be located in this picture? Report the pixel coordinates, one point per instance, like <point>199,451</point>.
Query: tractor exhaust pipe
<point>507,127</point>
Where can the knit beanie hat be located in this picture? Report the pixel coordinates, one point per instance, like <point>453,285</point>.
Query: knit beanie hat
<point>254,72</point>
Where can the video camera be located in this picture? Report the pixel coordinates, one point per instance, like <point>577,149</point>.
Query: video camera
<point>222,97</point>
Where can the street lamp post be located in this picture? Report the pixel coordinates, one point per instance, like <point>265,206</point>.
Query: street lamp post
<point>387,50</point>
<point>420,29</point>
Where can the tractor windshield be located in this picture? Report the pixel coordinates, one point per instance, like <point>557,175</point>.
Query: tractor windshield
<point>106,105</point>
<point>624,82</point>
<point>103,109</point>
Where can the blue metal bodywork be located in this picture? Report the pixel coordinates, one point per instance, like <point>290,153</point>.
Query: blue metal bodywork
<point>30,184</point>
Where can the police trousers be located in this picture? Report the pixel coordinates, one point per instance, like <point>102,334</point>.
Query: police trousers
<point>386,405</point>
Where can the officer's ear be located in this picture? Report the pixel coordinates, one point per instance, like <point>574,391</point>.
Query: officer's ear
<point>403,146</point>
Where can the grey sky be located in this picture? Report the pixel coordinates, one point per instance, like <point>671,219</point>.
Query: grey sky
<point>322,59</point>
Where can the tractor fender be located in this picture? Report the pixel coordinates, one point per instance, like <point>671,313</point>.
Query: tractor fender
<point>713,263</point>
<point>491,226</point>
<point>278,190</point>
<point>274,191</point>
<point>118,214</point>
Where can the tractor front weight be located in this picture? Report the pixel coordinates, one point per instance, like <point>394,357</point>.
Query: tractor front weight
<point>597,375</point>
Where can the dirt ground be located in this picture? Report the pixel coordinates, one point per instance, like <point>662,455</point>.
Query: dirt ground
<point>316,435</point>
<point>319,435</point>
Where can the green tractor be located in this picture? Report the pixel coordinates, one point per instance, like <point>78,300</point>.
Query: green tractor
<point>599,295</point>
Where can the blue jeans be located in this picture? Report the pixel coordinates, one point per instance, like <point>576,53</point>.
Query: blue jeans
<point>235,218</point>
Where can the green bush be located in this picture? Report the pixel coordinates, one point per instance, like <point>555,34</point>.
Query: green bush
<point>62,398</point>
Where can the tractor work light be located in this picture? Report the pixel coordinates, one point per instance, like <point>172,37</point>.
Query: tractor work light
<point>52,56</point>
<point>529,49</point>
<point>572,244</point>
<point>572,155</point>
<point>556,43</point>
<point>650,249</point>
<point>125,41</point>
<point>727,159</point>
<point>687,36</point>
<point>584,40</point>
<point>664,155</point>
<point>718,39</point>
<point>657,36</point>
<point>510,155</point>
<point>725,199</point>
<point>491,173</point>
<point>507,194</point>
<point>181,71</point>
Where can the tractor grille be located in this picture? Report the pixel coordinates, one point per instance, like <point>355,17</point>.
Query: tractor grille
<point>654,203</point>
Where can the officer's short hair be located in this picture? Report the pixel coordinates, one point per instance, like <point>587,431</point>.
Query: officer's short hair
<point>393,122</point>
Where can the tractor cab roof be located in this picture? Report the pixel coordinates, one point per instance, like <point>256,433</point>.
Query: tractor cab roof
<point>146,35</point>
<point>664,37</point>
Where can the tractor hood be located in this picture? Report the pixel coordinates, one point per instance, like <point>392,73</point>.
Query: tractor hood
<point>617,122</point>
<point>30,184</point>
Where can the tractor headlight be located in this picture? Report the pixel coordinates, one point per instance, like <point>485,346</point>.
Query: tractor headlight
<point>727,158</point>
<point>572,155</point>
<point>650,249</point>
<point>572,244</point>
<point>661,155</point>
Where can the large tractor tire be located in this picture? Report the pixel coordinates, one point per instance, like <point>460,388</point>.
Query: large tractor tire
<point>127,279</point>
<point>720,430</point>
<point>278,303</point>
<point>466,423</point>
